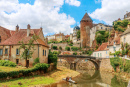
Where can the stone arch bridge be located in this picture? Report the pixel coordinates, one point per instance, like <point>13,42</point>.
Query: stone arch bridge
<point>74,59</point>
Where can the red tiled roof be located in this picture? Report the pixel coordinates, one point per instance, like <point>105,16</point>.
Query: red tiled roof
<point>6,31</point>
<point>21,35</point>
<point>67,36</point>
<point>102,47</point>
<point>117,40</point>
<point>60,34</point>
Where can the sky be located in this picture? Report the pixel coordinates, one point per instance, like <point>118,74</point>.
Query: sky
<point>56,16</point>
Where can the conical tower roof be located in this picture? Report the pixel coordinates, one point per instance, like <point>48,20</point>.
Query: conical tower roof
<point>86,17</point>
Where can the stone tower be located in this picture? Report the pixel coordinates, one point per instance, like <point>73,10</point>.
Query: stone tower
<point>85,25</point>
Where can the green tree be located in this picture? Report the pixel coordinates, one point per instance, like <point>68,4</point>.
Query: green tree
<point>67,48</point>
<point>78,34</point>
<point>28,48</point>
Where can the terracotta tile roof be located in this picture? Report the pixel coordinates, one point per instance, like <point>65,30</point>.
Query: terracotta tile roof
<point>12,32</point>
<point>116,40</point>
<point>66,53</point>
<point>67,36</point>
<point>86,17</point>
<point>7,31</point>
<point>103,47</point>
<point>60,34</point>
<point>21,35</point>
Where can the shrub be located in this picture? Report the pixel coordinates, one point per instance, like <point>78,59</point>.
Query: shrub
<point>70,44</point>
<point>54,47</point>
<point>60,48</point>
<point>41,66</point>
<point>74,48</point>
<point>36,61</point>
<point>67,48</point>
<point>52,58</point>
<point>7,63</point>
<point>75,53</point>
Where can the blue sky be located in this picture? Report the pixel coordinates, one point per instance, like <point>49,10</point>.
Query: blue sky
<point>59,15</point>
<point>77,13</point>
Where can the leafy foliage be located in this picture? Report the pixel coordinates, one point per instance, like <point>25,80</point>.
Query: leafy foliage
<point>67,48</point>
<point>52,58</point>
<point>75,53</point>
<point>60,48</point>
<point>78,34</point>
<point>74,48</point>
<point>36,61</point>
<point>123,64</point>
<point>7,63</point>
<point>54,47</point>
<point>102,36</point>
<point>28,48</point>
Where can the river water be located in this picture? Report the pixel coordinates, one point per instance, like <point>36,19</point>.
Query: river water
<point>92,78</point>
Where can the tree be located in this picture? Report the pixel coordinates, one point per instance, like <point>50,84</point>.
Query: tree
<point>78,34</point>
<point>28,48</point>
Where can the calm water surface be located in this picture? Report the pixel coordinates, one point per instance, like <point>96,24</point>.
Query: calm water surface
<point>92,78</point>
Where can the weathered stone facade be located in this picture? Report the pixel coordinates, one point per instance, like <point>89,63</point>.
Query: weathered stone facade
<point>85,26</point>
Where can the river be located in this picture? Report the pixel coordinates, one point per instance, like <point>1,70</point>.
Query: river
<point>92,78</point>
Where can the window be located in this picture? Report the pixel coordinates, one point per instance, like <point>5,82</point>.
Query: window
<point>114,48</point>
<point>0,38</point>
<point>6,51</point>
<point>106,52</point>
<point>1,52</point>
<point>100,54</point>
<point>101,28</point>
<point>17,51</point>
<point>28,52</point>
<point>95,54</point>
<point>43,52</point>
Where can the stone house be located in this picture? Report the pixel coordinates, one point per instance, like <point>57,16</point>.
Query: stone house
<point>51,37</point>
<point>60,37</point>
<point>102,51</point>
<point>9,49</point>
<point>127,16</point>
<point>95,28</point>
<point>125,37</point>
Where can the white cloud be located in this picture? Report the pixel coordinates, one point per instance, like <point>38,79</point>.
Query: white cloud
<point>45,11</point>
<point>111,10</point>
<point>73,2</point>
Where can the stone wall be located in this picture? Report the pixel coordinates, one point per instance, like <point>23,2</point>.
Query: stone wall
<point>105,65</point>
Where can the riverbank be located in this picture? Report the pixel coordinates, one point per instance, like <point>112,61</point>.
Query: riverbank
<point>39,80</point>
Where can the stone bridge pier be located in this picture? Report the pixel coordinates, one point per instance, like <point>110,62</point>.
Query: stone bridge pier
<point>73,60</point>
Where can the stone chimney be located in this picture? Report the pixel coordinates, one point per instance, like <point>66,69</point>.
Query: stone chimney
<point>128,26</point>
<point>17,28</point>
<point>28,30</point>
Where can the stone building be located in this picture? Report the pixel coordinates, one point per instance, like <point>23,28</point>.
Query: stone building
<point>60,37</point>
<point>127,16</point>
<point>85,25</point>
<point>67,37</point>
<point>75,30</point>
<point>98,27</point>
<point>125,37</point>
<point>9,49</point>
<point>51,37</point>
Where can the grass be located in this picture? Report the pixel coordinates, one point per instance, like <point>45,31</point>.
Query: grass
<point>7,69</point>
<point>49,78</point>
<point>27,81</point>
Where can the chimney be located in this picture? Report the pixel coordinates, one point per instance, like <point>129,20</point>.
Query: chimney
<point>17,28</point>
<point>28,30</point>
<point>126,12</point>
<point>128,26</point>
